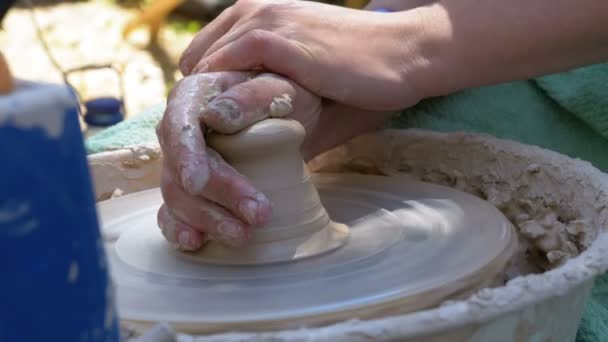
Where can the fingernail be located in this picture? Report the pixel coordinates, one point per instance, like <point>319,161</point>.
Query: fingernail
<point>227,109</point>
<point>200,68</point>
<point>231,233</point>
<point>256,211</point>
<point>185,240</point>
<point>264,208</point>
<point>249,210</point>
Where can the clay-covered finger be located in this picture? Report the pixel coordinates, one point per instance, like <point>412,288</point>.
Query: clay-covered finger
<point>231,190</point>
<point>181,132</point>
<point>226,188</point>
<point>266,95</point>
<point>179,234</point>
<point>203,215</point>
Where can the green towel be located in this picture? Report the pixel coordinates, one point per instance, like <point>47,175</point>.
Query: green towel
<point>140,129</point>
<point>519,111</point>
<point>583,92</point>
<point>566,112</point>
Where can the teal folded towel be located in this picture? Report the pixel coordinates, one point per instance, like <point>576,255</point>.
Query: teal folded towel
<point>583,92</point>
<point>566,112</point>
<point>137,130</point>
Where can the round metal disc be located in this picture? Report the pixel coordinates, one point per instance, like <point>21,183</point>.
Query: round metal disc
<point>412,245</point>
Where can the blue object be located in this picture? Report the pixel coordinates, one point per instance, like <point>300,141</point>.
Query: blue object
<point>55,284</point>
<point>103,111</point>
<point>384,10</point>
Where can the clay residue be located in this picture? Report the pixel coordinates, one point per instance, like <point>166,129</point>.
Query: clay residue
<point>187,138</point>
<point>124,171</point>
<point>211,91</point>
<point>117,193</point>
<point>140,155</point>
<point>280,106</point>
<point>553,227</point>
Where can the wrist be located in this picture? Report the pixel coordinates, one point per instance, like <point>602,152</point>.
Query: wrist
<point>428,63</point>
<point>421,29</point>
<point>480,43</point>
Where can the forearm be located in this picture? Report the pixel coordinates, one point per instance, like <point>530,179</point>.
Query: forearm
<point>473,43</point>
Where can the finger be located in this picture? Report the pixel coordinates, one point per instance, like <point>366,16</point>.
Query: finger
<point>231,190</point>
<point>268,15</point>
<point>179,234</point>
<point>264,50</point>
<point>267,95</point>
<point>254,15</point>
<point>180,131</point>
<point>203,215</point>
<point>232,35</point>
<point>205,38</point>
<point>226,188</point>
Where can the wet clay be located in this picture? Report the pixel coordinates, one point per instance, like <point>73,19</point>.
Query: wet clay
<point>397,229</point>
<point>267,153</point>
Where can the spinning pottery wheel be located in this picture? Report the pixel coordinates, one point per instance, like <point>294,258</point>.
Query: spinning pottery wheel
<point>337,247</point>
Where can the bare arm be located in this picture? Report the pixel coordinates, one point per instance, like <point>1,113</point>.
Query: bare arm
<point>388,61</point>
<point>472,43</point>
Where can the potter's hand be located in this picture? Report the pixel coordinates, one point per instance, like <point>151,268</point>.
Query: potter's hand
<point>204,196</point>
<point>363,59</point>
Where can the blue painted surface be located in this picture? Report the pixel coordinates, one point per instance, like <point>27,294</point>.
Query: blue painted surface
<point>55,284</point>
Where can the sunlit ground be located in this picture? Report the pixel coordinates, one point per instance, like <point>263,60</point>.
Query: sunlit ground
<point>91,33</point>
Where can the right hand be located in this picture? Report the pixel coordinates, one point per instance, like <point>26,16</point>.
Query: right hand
<point>375,61</point>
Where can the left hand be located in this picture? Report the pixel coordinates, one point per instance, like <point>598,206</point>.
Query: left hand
<point>203,194</point>
<point>362,59</point>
